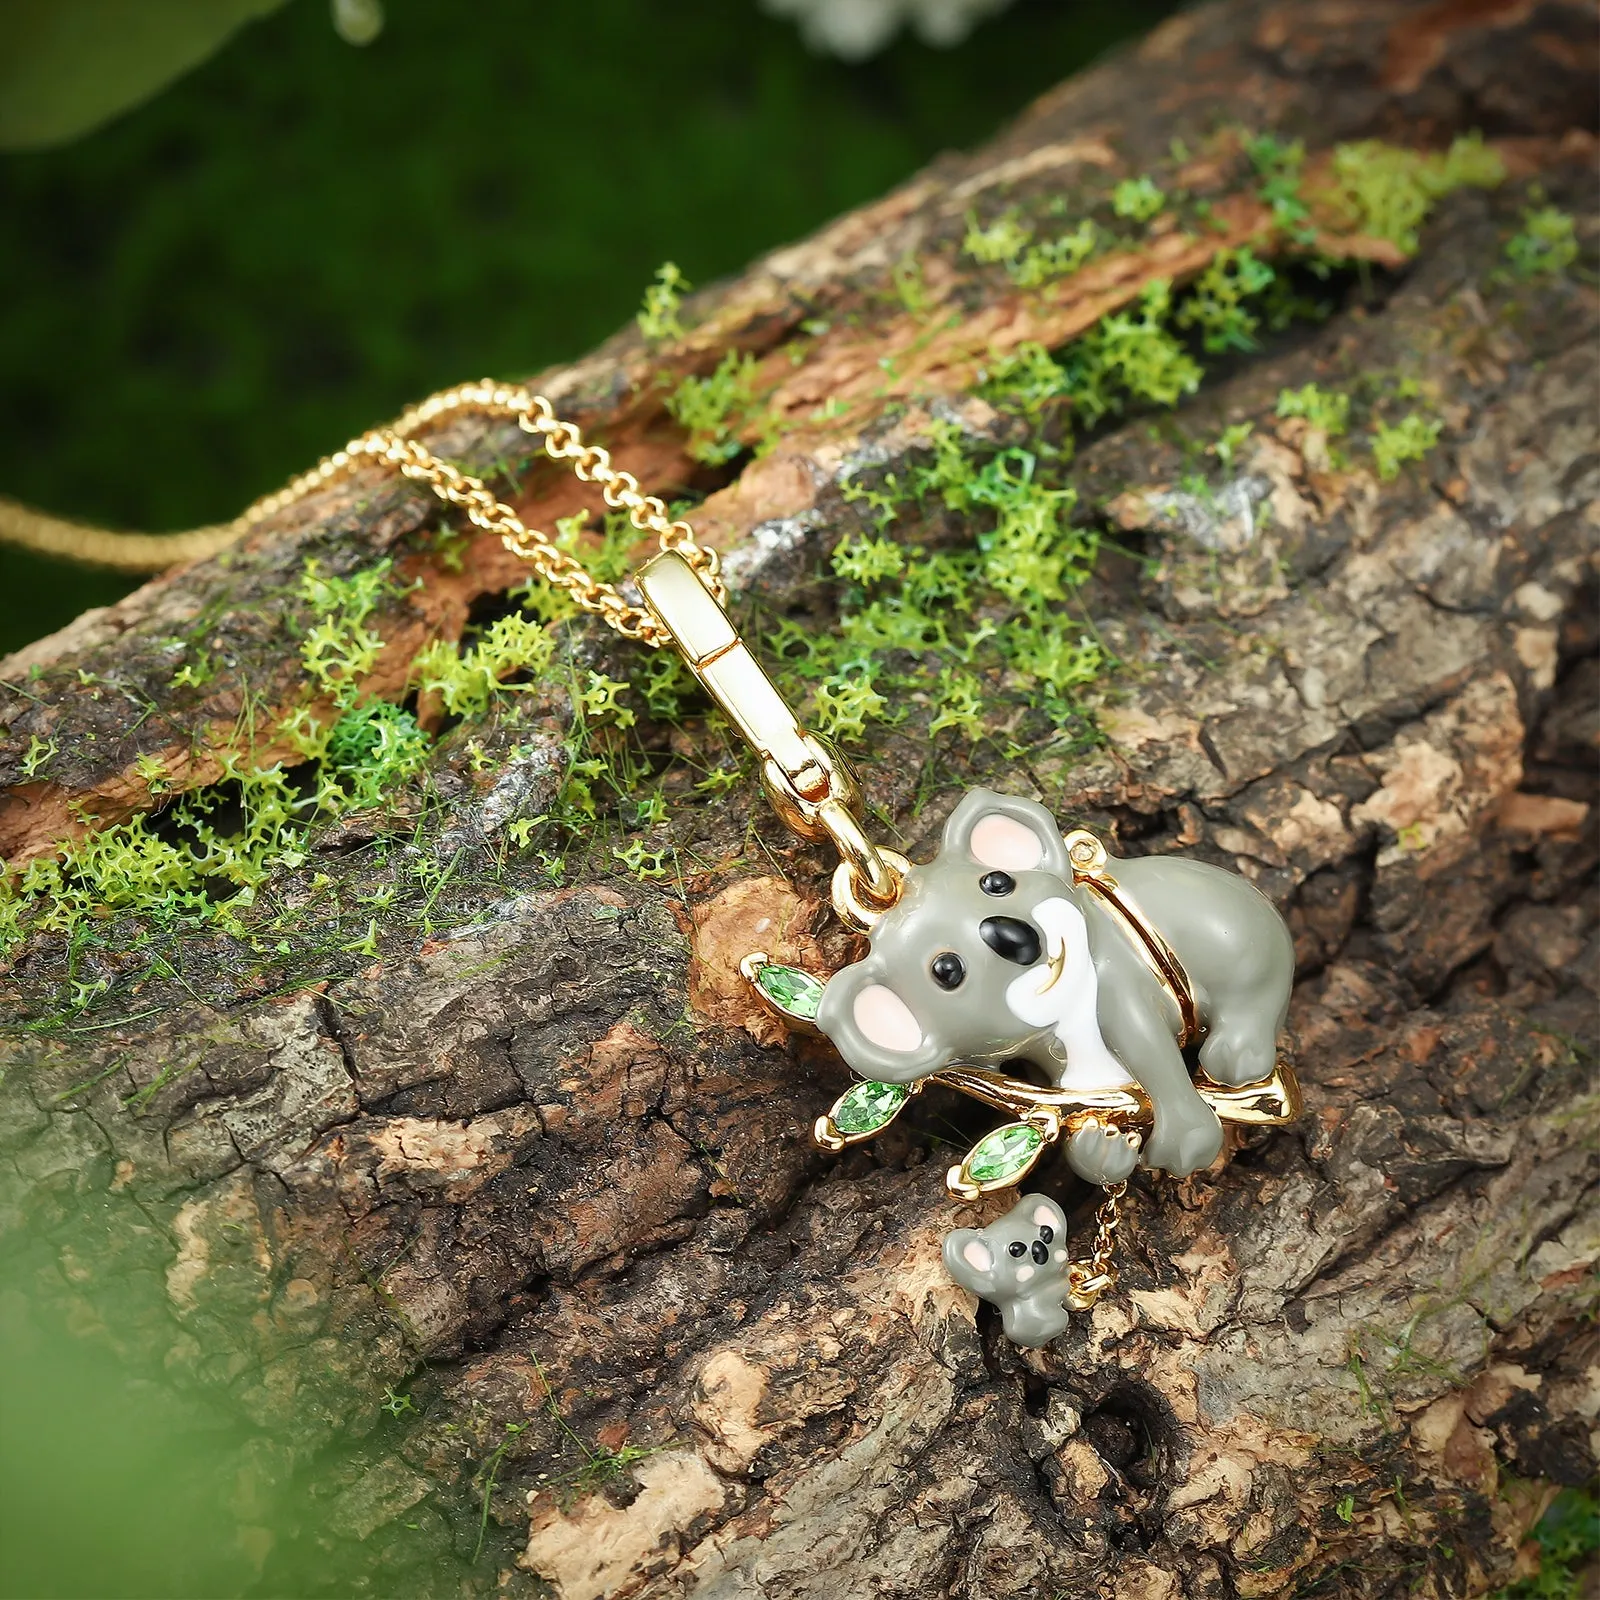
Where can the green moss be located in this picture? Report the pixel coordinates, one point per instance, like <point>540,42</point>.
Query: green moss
<point>1386,192</point>
<point>39,754</point>
<point>1409,439</point>
<point>845,704</point>
<point>1002,240</point>
<point>1131,355</point>
<point>466,680</point>
<point>1328,411</point>
<point>337,649</point>
<point>1219,304</point>
<point>658,316</point>
<point>373,748</point>
<point>716,410</point>
<point>1049,259</point>
<point>1025,383</point>
<point>868,561</point>
<point>1279,165</point>
<point>1230,441</point>
<point>1138,199</point>
<point>1545,245</point>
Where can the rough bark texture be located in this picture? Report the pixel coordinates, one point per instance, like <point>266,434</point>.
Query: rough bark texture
<point>537,1156</point>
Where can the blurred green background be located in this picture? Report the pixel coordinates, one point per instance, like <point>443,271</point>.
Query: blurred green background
<point>203,296</point>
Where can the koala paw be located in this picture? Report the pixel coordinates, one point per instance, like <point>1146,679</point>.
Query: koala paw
<point>1181,1144</point>
<point>1103,1154</point>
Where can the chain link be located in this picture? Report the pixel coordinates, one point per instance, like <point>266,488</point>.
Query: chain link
<point>562,442</point>
<point>1107,1220</point>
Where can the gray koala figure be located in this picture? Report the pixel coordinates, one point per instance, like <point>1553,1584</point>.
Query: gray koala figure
<point>1020,1264</point>
<point>993,954</point>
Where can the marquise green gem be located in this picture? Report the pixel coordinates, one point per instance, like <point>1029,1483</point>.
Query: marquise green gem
<point>1004,1154</point>
<point>866,1107</point>
<point>791,990</point>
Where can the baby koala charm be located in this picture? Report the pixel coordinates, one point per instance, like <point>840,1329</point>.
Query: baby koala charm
<point>1020,1264</point>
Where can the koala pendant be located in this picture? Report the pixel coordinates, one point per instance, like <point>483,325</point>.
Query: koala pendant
<point>1036,973</point>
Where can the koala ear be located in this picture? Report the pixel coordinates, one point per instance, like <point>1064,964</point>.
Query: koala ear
<point>873,1028</point>
<point>1005,832</point>
<point>969,1260</point>
<point>1043,1212</point>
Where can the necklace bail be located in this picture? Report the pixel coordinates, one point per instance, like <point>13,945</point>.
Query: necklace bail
<point>810,787</point>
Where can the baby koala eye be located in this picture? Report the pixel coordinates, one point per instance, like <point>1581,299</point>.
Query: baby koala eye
<point>1017,1248</point>
<point>948,970</point>
<point>1046,1232</point>
<point>997,883</point>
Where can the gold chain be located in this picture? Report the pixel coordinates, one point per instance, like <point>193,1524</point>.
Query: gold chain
<point>1107,1220</point>
<point>562,442</point>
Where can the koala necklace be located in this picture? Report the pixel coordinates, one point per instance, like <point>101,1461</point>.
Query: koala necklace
<point>1029,970</point>
<point>1017,949</point>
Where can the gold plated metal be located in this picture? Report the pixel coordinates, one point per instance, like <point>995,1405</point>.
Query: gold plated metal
<point>810,788</point>
<point>562,441</point>
<point>795,1021</point>
<point>1090,868</point>
<point>1090,1279</point>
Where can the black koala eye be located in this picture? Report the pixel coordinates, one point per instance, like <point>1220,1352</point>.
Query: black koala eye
<point>948,970</point>
<point>1017,1248</point>
<point>1046,1232</point>
<point>997,883</point>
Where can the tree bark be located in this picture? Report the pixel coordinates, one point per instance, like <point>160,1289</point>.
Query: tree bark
<point>528,1154</point>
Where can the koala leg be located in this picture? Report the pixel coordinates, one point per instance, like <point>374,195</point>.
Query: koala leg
<point>1187,1134</point>
<point>1241,1047</point>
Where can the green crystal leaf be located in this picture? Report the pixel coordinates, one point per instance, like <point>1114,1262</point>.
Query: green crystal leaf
<point>1003,1156</point>
<point>867,1107</point>
<point>792,991</point>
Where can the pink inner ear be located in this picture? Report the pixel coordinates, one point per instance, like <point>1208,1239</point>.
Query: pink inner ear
<point>1002,841</point>
<point>1043,1217</point>
<point>976,1254</point>
<point>886,1019</point>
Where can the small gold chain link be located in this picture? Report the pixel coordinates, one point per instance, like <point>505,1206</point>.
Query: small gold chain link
<point>1107,1219</point>
<point>562,442</point>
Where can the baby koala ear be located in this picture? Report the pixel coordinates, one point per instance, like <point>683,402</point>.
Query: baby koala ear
<point>874,1029</point>
<point>1007,834</point>
<point>1043,1212</point>
<point>970,1261</point>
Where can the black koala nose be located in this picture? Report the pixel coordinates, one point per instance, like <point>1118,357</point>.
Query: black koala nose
<point>1039,1253</point>
<point>1013,940</point>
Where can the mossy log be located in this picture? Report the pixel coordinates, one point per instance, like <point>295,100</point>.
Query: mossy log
<point>521,1150</point>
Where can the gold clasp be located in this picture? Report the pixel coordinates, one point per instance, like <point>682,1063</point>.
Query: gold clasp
<point>810,788</point>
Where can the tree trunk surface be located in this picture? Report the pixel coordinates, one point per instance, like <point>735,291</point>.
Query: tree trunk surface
<point>517,1148</point>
